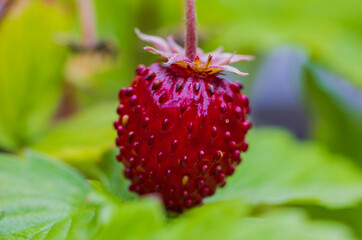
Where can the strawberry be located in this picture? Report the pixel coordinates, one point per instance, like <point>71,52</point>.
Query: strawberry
<point>181,125</point>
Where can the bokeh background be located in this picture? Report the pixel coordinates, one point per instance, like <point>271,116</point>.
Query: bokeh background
<point>62,63</point>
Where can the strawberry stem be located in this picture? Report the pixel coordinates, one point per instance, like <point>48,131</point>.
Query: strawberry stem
<point>191,37</point>
<point>4,6</point>
<point>86,12</point>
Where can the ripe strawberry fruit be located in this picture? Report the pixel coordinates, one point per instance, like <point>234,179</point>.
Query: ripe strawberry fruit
<point>181,125</point>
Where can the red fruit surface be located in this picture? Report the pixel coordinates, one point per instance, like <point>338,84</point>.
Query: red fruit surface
<point>180,133</point>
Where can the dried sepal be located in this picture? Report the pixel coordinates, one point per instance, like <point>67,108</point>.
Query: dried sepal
<point>204,63</point>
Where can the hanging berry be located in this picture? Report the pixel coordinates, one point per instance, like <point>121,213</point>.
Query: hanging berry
<point>181,125</point>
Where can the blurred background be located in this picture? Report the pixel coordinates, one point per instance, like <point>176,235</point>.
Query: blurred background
<point>62,63</point>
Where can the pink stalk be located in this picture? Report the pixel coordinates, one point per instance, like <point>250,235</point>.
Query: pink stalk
<point>3,6</point>
<point>86,11</point>
<point>191,37</point>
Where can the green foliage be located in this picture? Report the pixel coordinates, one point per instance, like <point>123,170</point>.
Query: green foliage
<point>287,171</point>
<point>284,189</point>
<point>52,201</point>
<point>30,73</point>
<point>212,221</point>
<point>349,216</point>
<point>84,137</point>
<point>330,30</point>
<point>225,221</point>
<point>290,224</point>
<point>131,220</point>
<point>116,21</point>
<point>42,199</point>
<point>337,109</point>
<point>109,173</point>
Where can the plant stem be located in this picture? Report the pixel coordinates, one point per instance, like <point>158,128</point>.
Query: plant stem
<point>191,37</point>
<point>4,5</point>
<point>86,12</point>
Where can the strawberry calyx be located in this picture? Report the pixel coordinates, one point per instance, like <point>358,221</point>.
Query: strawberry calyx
<point>204,64</point>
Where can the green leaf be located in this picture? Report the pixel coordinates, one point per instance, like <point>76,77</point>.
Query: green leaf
<point>220,220</point>
<point>109,171</point>
<point>131,220</point>
<point>290,224</point>
<point>135,220</point>
<point>337,107</point>
<point>211,221</point>
<point>229,220</point>
<point>30,74</point>
<point>44,199</point>
<point>83,137</point>
<point>348,216</point>
<point>41,198</point>
<point>278,169</point>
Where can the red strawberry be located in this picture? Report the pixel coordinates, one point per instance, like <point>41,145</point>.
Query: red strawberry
<point>182,126</point>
